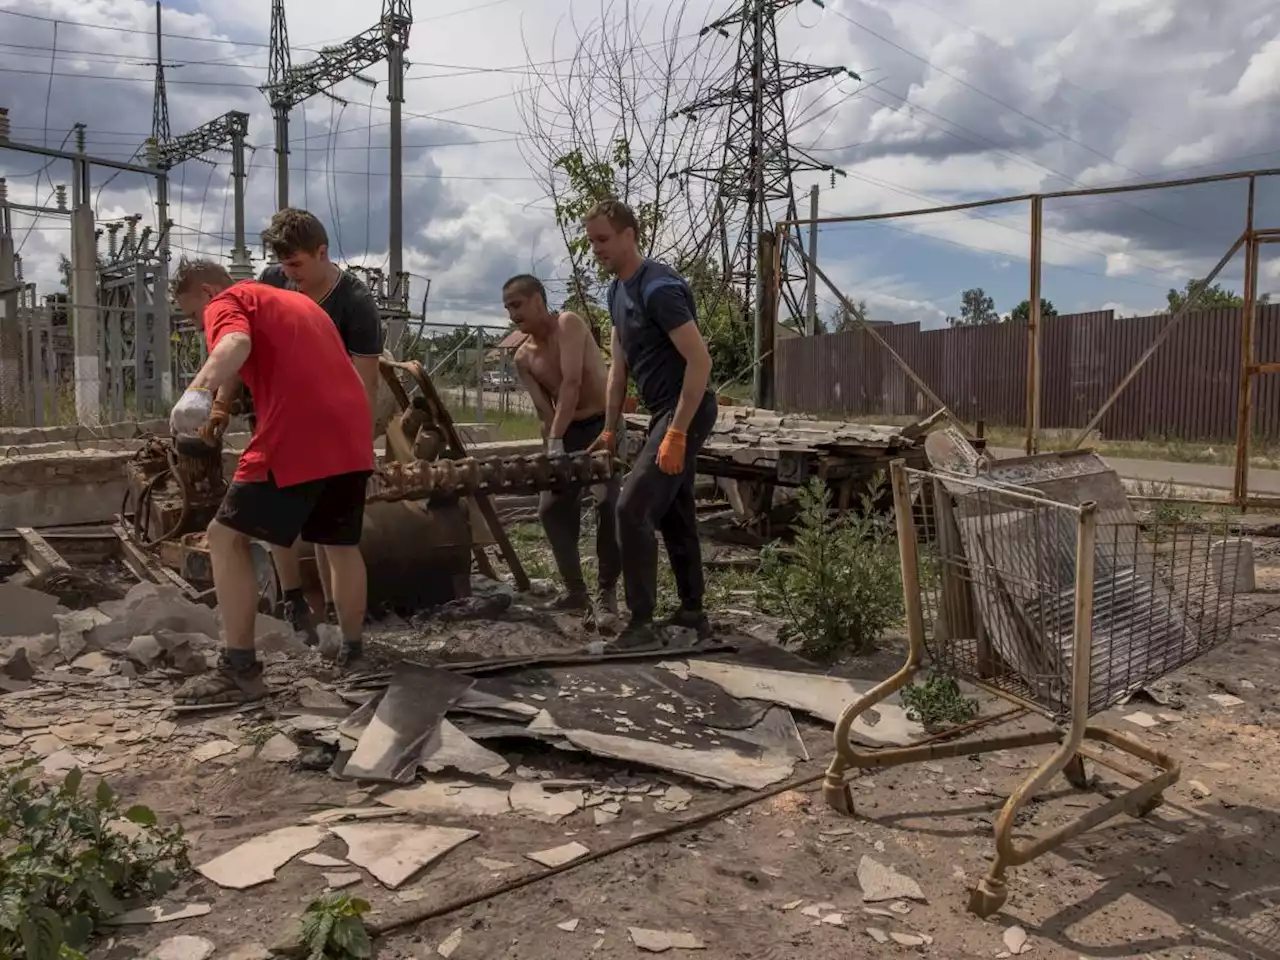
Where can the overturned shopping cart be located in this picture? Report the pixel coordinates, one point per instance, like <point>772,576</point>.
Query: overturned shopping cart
<point>1036,581</point>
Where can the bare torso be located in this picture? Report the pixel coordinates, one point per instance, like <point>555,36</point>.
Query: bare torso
<point>540,361</point>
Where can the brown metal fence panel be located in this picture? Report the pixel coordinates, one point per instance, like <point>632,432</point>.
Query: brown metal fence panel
<point>1187,390</point>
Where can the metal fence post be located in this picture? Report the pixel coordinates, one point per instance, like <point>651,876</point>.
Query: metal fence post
<point>479,374</point>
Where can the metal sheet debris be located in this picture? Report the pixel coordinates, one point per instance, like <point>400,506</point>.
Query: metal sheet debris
<point>717,766</point>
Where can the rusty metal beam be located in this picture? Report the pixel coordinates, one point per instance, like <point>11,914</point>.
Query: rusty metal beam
<point>39,555</point>
<point>1244,410</point>
<point>441,480</point>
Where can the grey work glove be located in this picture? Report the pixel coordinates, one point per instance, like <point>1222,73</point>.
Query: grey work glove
<point>555,447</point>
<point>191,412</point>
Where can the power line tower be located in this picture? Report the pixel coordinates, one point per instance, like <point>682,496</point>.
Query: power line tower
<point>277,74</point>
<point>160,103</point>
<point>754,180</point>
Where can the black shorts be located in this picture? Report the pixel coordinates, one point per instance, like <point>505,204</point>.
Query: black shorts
<point>329,511</point>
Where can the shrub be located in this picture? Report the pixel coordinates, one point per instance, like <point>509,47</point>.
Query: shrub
<point>838,586</point>
<point>65,864</point>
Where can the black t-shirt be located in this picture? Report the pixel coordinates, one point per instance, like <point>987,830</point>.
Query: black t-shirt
<point>645,309</point>
<point>350,305</point>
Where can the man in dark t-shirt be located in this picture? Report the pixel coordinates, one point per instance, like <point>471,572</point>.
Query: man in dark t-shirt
<point>656,339</point>
<point>299,242</point>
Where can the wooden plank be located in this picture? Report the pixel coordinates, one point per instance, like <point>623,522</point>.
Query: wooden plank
<point>39,553</point>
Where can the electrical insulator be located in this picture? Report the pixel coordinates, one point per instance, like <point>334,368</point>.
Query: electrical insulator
<point>80,138</point>
<point>4,123</point>
<point>4,191</point>
<point>60,196</point>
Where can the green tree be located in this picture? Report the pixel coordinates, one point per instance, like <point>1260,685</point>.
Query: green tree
<point>976,309</point>
<point>842,318</point>
<point>1213,298</point>
<point>1023,310</point>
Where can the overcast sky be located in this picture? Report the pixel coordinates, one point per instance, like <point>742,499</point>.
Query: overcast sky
<point>960,100</point>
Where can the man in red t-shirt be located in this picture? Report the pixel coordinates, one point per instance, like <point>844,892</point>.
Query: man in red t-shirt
<point>304,470</point>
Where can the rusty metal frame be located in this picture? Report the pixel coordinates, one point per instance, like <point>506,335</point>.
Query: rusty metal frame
<point>989,893</point>
<point>1251,240</point>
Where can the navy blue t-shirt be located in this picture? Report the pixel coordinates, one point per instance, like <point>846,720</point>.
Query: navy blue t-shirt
<point>645,309</point>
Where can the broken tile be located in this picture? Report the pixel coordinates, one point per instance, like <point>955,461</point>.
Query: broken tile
<point>64,761</point>
<point>46,744</point>
<point>909,939</point>
<point>338,881</point>
<point>160,913</point>
<point>1225,700</point>
<point>1015,941</point>
<point>834,919</point>
<point>900,908</point>
<point>393,852</point>
<point>1142,719</point>
<point>878,935</point>
<point>791,905</point>
<point>568,926</point>
<point>279,749</point>
<point>460,798</point>
<point>719,766</point>
<point>322,860</point>
<point>495,865</point>
<point>256,861</point>
<point>339,814</point>
<point>559,856</point>
<point>183,948</point>
<point>660,941</point>
<point>601,816</point>
<point>531,800</point>
<point>212,750</point>
<point>451,749</point>
<point>450,944</point>
<point>880,883</point>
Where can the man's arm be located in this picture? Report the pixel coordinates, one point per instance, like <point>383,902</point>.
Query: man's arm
<point>362,336</point>
<point>224,362</point>
<point>573,347</point>
<point>367,367</point>
<point>541,402</point>
<point>616,390</point>
<point>687,338</point>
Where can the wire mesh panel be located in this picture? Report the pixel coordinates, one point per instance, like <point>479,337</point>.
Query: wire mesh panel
<point>997,570</point>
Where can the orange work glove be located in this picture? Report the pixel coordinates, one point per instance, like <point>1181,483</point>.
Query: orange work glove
<point>671,452</point>
<point>603,443</point>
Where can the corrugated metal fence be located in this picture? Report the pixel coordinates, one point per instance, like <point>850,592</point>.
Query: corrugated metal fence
<point>1187,390</point>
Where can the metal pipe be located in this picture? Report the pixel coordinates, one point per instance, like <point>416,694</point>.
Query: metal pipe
<point>1193,296</point>
<point>1244,409</point>
<point>1033,329</point>
<point>811,283</point>
<point>280,111</point>
<point>77,157</point>
<point>239,252</point>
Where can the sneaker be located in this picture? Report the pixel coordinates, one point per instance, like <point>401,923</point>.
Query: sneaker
<point>297,613</point>
<point>607,601</point>
<point>349,666</point>
<point>636,636</point>
<point>225,684</point>
<point>695,620</point>
<point>331,614</point>
<point>568,603</point>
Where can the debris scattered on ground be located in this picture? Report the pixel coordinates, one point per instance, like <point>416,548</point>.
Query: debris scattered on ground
<point>322,860</point>
<point>183,948</point>
<point>568,926</point>
<point>455,798</point>
<point>559,856</point>
<point>531,800</point>
<point>878,935</point>
<point>256,861</point>
<point>495,865</point>
<point>660,941</point>
<point>450,944</point>
<point>393,853</point>
<point>1226,700</point>
<point>1142,719</point>
<point>880,883</point>
<point>160,913</point>
<point>279,749</point>
<point>338,881</point>
<point>1199,790</point>
<point>213,750</point>
<point>1015,941</point>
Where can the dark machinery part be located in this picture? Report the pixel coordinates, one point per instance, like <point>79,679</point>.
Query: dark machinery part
<point>175,488</point>
<point>442,480</point>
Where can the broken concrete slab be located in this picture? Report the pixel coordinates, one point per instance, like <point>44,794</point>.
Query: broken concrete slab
<point>452,798</point>
<point>212,750</point>
<point>183,948</point>
<point>256,861</point>
<point>568,926</point>
<point>393,853</point>
<point>720,767</point>
<point>880,883</point>
<point>399,723</point>
<point>660,941</point>
<point>1015,941</point>
<point>338,814</point>
<point>160,913</point>
<point>27,612</point>
<point>820,696</point>
<point>1142,719</point>
<point>450,944</point>
<point>450,749</point>
<point>146,609</point>
<point>339,881</point>
<point>532,801</point>
<point>279,749</point>
<point>559,856</point>
<point>322,860</point>
<point>495,865</point>
<point>144,650</point>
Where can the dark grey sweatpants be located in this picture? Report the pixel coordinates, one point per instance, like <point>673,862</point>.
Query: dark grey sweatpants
<point>654,501</point>
<point>561,516</point>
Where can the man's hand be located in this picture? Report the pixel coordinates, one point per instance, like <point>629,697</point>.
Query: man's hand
<point>555,446</point>
<point>191,412</point>
<point>219,417</point>
<point>671,452</point>
<point>603,443</point>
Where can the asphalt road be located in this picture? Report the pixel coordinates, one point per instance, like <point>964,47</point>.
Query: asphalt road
<point>1208,476</point>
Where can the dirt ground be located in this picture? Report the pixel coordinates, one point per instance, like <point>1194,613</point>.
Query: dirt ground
<point>1198,878</point>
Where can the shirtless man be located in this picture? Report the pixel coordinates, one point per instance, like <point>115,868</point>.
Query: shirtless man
<point>561,366</point>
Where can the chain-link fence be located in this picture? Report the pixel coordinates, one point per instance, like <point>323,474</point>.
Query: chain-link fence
<point>474,369</point>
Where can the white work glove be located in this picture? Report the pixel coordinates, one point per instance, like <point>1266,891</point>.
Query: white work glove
<point>191,412</point>
<point>555,446</point>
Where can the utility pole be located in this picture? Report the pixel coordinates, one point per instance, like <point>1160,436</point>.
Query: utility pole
<point>754,179</point>
<point>811,278</point>
<point>396,21</point>
<point>277,79</point>
<point>766,326</point>
<point>160,99</point>
<point>11,391</point>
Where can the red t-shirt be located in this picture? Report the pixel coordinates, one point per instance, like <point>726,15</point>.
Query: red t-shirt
<point>312,412</point>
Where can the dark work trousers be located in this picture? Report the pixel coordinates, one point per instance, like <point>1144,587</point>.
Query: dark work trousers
<point>654,501</point>
<point>561,516</point>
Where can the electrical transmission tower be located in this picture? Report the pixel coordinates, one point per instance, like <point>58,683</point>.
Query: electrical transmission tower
<point>277,89</point>
<point>160,103</point>
<point>754,180</point>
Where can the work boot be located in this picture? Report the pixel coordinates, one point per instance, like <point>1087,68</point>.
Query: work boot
<point>607,601</point>
<point>352,662</point>
<point>297,613</point>
<point>695,620</point>
<point>331,613</point>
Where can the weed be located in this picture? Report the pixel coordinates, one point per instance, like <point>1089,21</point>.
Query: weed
<point>838,585</point>
<point>259,734</point>
<point>938,701</point>
<point>66,863</point>
<point>332,929</point>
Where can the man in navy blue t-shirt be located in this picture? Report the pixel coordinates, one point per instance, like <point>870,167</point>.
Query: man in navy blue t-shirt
<point>656,340</point>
